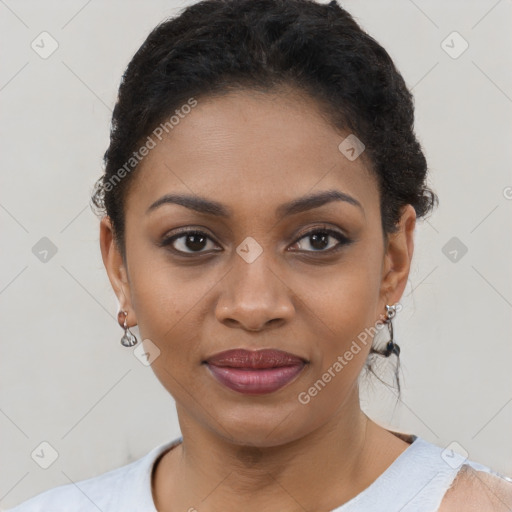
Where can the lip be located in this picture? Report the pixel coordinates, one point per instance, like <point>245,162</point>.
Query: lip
<point>263,358</point>
<point>255,371</point>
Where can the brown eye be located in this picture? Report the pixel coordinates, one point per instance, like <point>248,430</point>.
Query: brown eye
<point>320,239</point>
<point>188,242</point>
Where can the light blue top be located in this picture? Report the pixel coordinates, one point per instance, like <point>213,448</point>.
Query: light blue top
<point>415,482</point>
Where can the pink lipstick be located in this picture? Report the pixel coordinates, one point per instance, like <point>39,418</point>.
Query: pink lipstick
<point>255,372</point>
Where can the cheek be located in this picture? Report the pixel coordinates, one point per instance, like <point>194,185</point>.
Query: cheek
<point>341,313</point>
<point>345,296</point>
<point>343,340</point>
<point>163,298</point>
<point>168,314</point>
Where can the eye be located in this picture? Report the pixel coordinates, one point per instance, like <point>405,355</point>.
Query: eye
<point>196,241</point>
<point>188,242</point>
<point>318,239</point>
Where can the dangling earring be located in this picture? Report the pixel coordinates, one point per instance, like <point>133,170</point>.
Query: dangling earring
<point>128,339</point>
<point>392,347</point>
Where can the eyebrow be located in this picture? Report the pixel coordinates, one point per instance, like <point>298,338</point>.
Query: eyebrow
<point>210,207</point>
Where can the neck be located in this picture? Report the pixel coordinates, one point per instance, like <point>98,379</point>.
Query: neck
<point>208,472</point>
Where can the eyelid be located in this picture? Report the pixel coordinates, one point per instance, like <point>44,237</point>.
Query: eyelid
<point>323,227</point>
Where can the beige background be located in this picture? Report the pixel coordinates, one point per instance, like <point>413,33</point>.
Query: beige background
<point>65,378</point>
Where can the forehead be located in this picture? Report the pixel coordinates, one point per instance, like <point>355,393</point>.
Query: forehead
<point>251,149</point>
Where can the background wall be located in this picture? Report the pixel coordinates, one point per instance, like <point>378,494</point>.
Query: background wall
<point>65,378</point>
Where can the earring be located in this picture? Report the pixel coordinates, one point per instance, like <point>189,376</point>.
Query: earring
<point>128,339</point>
<point>392,347</point>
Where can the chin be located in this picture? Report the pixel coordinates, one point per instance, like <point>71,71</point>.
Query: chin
<point>261,425</point>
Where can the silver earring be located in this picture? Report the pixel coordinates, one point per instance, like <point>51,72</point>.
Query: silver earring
<point>392,347</point>
<point>128,339</point>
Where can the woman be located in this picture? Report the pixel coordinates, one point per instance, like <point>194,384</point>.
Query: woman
<point>262,185</point>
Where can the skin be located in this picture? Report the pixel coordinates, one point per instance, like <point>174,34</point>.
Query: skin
<point>475,491</point>
<point>252,152</point>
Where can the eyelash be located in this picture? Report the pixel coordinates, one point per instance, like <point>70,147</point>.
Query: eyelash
<point>342,239</point>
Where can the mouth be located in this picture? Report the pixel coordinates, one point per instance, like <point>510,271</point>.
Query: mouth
<point>255,372</point>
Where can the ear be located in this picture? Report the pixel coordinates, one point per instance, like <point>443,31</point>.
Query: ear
<point>398,257</point>
<point>116,269</point>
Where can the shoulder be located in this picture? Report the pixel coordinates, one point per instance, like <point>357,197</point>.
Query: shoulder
<point>56,500</point>
<point>478,491</point>
<point>102,492</point>
<point>122,489</point>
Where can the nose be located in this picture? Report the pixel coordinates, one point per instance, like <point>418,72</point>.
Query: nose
<point>254,297</point>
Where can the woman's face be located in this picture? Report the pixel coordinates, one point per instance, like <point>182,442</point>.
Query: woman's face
<point>254,278</point>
